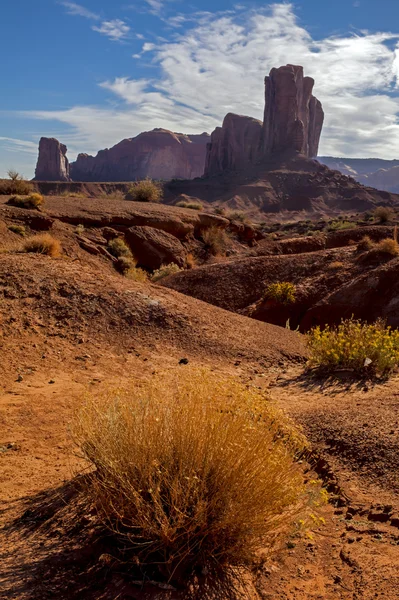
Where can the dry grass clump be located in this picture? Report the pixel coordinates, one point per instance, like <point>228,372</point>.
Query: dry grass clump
<point>216,240</point>
<point>145,191</point>
<point>282,292</point>
<point>165,271</point>
<point>43,243</point>
<point>15,185</point>
<point>388,246</point>
<point>336,265</point>
<point>136,274</point>
<point>118,248</point>
<point>18,229</point>
<point>31,201</point>
<point>187,204</point>
<point>192,473</point>
<point>384,214</point>
<point>355,345</point>
<point>365,244</point>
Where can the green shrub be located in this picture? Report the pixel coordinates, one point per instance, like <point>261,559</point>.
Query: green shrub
<point>145,191</point>
<point>118,248</point>
<point>282,292</point>
<point>191,474</point>
<point>18,229</point>
<point>383,214</point>
<point>32,201</point>
<point>165,271</point>
<point>339,225</point>
<point>355,345</point>
<point>187,204</point>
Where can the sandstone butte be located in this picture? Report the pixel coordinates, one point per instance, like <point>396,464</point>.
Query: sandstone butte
<point>293,120</point>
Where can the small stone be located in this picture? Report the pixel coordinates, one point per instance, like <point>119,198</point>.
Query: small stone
<point>183,361</point>
<point>51,381</point>
<point>19,378</point>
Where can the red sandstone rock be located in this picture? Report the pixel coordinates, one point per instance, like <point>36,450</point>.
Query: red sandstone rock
<point>158,154</point>
<point>52,164</point>
<point>153,247</point>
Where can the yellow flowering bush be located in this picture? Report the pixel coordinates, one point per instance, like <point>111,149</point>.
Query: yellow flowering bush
<point>282,292</point>
<point>355,345</point>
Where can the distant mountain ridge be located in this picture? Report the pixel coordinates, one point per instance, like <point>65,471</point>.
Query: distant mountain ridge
<point>374,172</point>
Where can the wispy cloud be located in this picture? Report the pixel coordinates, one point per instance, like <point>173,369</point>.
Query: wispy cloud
<point>217,66</point>
<point>16,145</point>
<point>115,30</point>
<point>80,11</point>
<point>155,6</point>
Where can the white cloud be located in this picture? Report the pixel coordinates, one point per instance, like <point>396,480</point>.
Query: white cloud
<point>115,30</point>
<point>155,5</point>
<point>78,10</point>
<point>16,145</point>
<point>218,66</point>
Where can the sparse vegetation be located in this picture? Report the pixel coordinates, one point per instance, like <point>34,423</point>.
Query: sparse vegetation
<point>191,475</point>
<point>165,271</point>
<point>216,240</point>
<point>18,229</point>
<point>146,190</point>
<point>80,229</point>
<point>384,214</point>
<point>238,215</point>
<point>15,185</point>
<point>118,248</point>
<point>188,204</point>
<point>282,292</point>
<point>336,265</point>
<point>136,274</point>
<point>124,264</point>
<point>339,225</point>
<point>365,244</point>
<point>355,345</point>
<point>32,201</point>
<point>43,243</point>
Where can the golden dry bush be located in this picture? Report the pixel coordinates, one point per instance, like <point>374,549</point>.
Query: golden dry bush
<point>384,214</point>
<point>136,274</point>
<point>282,292</point>
<point>365,244</point>
<point>146,190</point>
<point>165,271</point>
<point>43,243</point>
<point>190,204</point>
<point>216,240</point>
<point>15,184</point>
<point>191,472</point>
<point>118,248</point>
<point>31,201</point>
<point>388,246</point>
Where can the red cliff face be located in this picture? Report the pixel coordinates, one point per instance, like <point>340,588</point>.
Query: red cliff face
<point>158,154</point>
<point>52,164</point>
<point>293,120</point>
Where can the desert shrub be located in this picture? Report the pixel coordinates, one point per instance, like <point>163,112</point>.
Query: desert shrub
<point>18,229</point>
<point>219,210</point>
<point>165,271</point>
<point>116,195</point>
<point>31,201</point>
<point>80,229</point>
<point>124,264</point>
<point>43,243</point>
<point>145,191</point>
<point>383,214</point>
<point>15,184</point>
<point>136,274</point>
<point>339,225</point>
<point>216,240</point>
<point>187,204</point>
<point>355,345</point>
<point>282,292</point>
<point>238,215</point>
<point>365,244</point>
<point>191,474</point>
<point>336,265</point>
<point>388,246</point>
<point>118,248</point>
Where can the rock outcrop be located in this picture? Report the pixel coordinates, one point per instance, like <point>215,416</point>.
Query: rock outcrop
<point>153,247</point>
<point>293,120</point>
<point>52,164</point>
<point>158,154</point>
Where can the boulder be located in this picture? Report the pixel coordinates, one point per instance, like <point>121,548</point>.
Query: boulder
<point>52,163</point>
<point>152,247</point>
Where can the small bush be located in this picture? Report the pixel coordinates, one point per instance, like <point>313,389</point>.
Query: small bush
<point>238,216</point>
<point>165,271</point>
<point>365,244</point>
<point>191,474</point>
<point>118,248</point>
<point>124,264</point>
<point>43,243</point>
<point>339,225</point>
<point>216,240</point>
<point>384,214</point>
<point>336,265</point>
<point>219,210</point>
<point>15,185</point>
<point>145,191</point>
<point>136,274</point>
<point>352,345</point>
<point>193,205</point>
<point>32,201</point>
<point>282,292</point>
<point>18,229</point>
<point>80,229</point>
<point>388,246</point>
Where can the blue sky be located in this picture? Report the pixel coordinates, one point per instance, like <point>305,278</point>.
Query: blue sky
<point>96,71</point>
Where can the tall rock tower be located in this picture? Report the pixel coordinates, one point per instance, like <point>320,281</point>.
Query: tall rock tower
<point>52,163</point>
